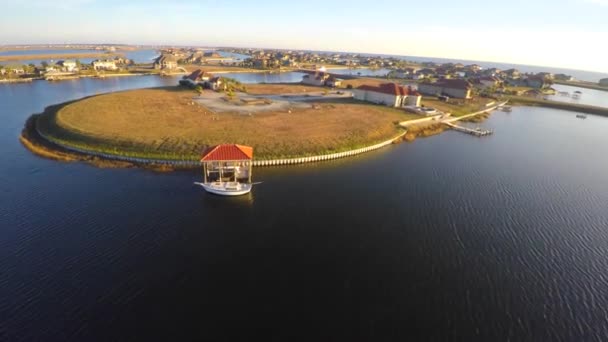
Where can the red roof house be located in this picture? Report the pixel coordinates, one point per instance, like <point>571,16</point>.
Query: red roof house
<point>390,94</point>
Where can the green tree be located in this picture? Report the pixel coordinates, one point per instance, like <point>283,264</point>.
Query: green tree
<point>198,89</point>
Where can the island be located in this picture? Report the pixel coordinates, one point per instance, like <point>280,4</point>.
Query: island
<point>177,123</point>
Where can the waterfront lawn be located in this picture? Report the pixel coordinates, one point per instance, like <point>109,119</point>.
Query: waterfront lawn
<point>166,123</point>
<point>457,107</point>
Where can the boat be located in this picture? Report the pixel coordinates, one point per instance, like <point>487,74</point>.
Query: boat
<point>581,116</point>
<point>227,170</point>
<point>226,188</point>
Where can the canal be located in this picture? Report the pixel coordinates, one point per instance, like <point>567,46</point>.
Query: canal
<point>446,238</point>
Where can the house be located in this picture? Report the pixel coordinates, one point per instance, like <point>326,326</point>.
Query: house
<point>536,82</point>
<point>603,82</point>
<point>316,79</point>
<point>488,82</point>
<point>564,77</point>
<point>107,64</point>
<point>203,79</point>
<point>67,65</point>
<point>165,61</point>
<point>214,83</point>
<point>512,73</point>
<point>389,94</point>
<point>333,82</point>
<point>195,57</point>
<point>453,88</point>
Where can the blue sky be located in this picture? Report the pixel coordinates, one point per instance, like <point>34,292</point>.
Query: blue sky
<point>561,33</point>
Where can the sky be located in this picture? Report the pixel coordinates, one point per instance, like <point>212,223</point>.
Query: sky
<point>556,33</point>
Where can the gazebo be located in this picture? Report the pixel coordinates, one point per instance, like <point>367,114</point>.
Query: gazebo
<point>227,163</point>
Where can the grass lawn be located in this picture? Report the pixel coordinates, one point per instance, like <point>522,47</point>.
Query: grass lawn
<point>166,123</point>
<point>456,106</point>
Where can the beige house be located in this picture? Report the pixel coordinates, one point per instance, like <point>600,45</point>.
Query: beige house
<point>165,61</point>
<point>389,94</point>
<point>107,64</point>
<point>456,88</point>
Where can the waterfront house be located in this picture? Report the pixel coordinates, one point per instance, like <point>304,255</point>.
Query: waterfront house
<point>512,73</point>
<point>67,65</point>
<point>604,82</point>
<point>456,88</point>
<point>333,82</point>
<point>537,82</point>
<point>389,94</point>
<point>564,77</point>
<point>488,82</point>
<point>214,83</point>
<point>165,62</point>
<point>107,64</point>
<point>203,79</point>
<point>317,79</point>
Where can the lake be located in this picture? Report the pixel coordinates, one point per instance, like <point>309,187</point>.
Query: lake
<point>448,238</point>
<point>139,56</point>
<point>360,72</point>
<point>590,97</point>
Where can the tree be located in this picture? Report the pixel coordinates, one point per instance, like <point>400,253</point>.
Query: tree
<point>44,64</point>
<point>198,89</point>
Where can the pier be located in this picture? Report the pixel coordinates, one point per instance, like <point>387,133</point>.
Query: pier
<point>478,132</point>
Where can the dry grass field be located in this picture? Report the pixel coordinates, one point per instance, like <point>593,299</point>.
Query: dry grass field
<point>165,122</point>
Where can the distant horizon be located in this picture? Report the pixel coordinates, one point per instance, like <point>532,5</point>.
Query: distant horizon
<point>565,34</point>
<point>455,59</point>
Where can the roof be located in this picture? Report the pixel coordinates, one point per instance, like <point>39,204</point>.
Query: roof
<point>390,88</point>
<point>195,75</point>
<point>227,152</point>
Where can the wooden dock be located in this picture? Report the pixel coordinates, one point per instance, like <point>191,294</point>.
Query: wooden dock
<point>478,132</point>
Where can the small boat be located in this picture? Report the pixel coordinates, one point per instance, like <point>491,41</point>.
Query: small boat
<point>226,188</point>
<point>581,116</point>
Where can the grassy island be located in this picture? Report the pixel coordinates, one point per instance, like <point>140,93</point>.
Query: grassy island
<point>174,123</point>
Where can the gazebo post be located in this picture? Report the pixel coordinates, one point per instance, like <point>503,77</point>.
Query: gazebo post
<point>249,169</point>
<point>205,172</point>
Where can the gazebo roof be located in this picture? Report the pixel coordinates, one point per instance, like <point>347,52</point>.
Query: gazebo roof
<point>227,152</point>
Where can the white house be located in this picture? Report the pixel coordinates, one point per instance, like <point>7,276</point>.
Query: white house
<point>104,65</point>
<point>317,79</point>
<point>389,94</point>
<point>67,65</point>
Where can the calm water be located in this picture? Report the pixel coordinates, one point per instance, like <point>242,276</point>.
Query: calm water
<point>589,96</point>
<point>360,72</point>
<point>44,52</point>
<point>139,56</point>
<point>450,238</point>
<point>265,77</point>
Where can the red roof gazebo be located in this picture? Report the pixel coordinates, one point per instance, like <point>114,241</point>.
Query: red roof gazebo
<point>228,159</point>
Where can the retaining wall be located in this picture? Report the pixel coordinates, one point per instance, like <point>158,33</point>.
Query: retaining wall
<point>194,163</point>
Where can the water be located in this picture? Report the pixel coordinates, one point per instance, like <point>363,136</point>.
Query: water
<point>590,97</point>
<point>139,56</point>
<point>266,77</point>
<point>583,75</point>
<point>360,72</point>
<point>45,52</point>
<point>233,55</point>
<point>450,238</point>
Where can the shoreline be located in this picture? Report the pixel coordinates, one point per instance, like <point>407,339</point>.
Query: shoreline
<point>575,107</point>
<point>46,147</point>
